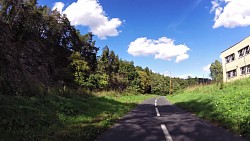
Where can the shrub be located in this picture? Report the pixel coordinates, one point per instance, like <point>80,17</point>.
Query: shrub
<point>68,109</point>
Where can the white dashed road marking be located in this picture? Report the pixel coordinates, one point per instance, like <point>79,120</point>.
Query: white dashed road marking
<point>156,101</point>
<point>163,126</point>
<point>156,109</point>
<point>157,112</point>
<point>166,133</point>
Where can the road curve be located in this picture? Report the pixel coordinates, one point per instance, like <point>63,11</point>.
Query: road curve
<point>157,120</point>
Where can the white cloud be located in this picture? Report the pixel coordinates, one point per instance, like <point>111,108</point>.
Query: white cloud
<point>215,4</point>
<point>231,13</point>
<point>181,58</point>
<point>163,48</point>
<point>185,76</point>
<point>166,73</point>
<point>91,14</point>
<point>206,68</point>
<point>58,6</point>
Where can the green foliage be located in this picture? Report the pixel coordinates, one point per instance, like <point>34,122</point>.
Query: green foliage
<point>108,64</point>
<point>54,69</point>
<point>160,84</point>
<point>89,51</point>
<point>144,82</point>
<point>216,71</point>
<point>79,67</point>
<point>68,58</point>
<point>67,109</point>
<point>128,75</point>
<point>228,107</point>
<point>103,81</point>
<point>23,119</point>
<point>30,87</point>
<point>55,117</point>
<point>191,81</point>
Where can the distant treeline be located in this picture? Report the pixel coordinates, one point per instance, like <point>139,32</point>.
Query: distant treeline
<point>41,51</point>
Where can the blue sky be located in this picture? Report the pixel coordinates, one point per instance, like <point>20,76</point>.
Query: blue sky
<point>177,36</point>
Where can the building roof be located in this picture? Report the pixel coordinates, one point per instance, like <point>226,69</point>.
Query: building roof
<point>235,44</point>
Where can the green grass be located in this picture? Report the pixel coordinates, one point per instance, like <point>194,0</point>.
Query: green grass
<point>228,107</point>
<point>55,117</point>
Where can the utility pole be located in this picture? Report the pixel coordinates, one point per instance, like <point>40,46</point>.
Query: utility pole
<point>170,85</point>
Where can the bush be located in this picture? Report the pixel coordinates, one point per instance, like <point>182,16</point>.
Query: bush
<point>20,121</point>
<point>68,109</point>
<point>30,87</point>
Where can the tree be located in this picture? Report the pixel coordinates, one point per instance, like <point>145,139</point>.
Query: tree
<point>216,71</point>
<point>103,62</point>
<point>159,83</point>
<point>108,63</point>
<point>89,51</point>
<point>79,68</point>
<point>145,84</point>
<point>36,35</point>
<point>191,81</point>
<point>128,76</point>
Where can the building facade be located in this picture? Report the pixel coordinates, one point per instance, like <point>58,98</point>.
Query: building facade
<point>236,61</point>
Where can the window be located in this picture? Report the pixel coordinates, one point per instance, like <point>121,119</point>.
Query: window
<point>248,50</point>
<point>234,73</point>
<point>244,51</point>
<point>248,69</point>
<point>230,58</point>
<point>228,75</point>
<point>231,74</point>
<point>241,53</point>
<point>243,70</point>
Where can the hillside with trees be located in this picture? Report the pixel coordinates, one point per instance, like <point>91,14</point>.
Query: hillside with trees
<point>41,51</point>
<point>51,76</point>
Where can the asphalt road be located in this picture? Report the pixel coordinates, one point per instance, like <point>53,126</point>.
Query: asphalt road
<point>157,120</point>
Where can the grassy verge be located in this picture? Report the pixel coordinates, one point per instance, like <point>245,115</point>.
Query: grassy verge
<point>55,117</point>
<point>229,107</point>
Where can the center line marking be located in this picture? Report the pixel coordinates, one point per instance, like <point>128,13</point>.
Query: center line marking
<point>157,112</point>
<point>156,101</point>
<point>166,133</point>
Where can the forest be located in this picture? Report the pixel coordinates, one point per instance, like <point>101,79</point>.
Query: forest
<point>40,51</point>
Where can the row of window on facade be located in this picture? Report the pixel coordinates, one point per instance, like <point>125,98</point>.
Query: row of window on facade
<point>230,58</point>
<point>244,51</point>
<point>243,70</point>
<point>231,73</point>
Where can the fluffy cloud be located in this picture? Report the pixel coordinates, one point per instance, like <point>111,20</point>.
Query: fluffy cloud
<point>206,68</point>
<point>58,6</point>
<point>91,14</point>
<point>163,48</point>
<point>231,13</point>
<point>181,58</point>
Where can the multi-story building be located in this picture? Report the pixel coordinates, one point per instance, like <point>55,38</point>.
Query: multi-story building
<point>236,61</point>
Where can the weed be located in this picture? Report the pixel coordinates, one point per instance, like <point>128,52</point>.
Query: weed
<point>62,117</point>
<point>227,105</point>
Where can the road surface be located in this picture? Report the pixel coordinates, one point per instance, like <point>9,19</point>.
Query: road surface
<point>157,120</point>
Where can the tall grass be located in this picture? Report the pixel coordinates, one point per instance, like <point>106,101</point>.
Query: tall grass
<point>59,117</point>
<point>228,107</point>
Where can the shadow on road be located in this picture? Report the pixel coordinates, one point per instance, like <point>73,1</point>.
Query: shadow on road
<point>142,124</point>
